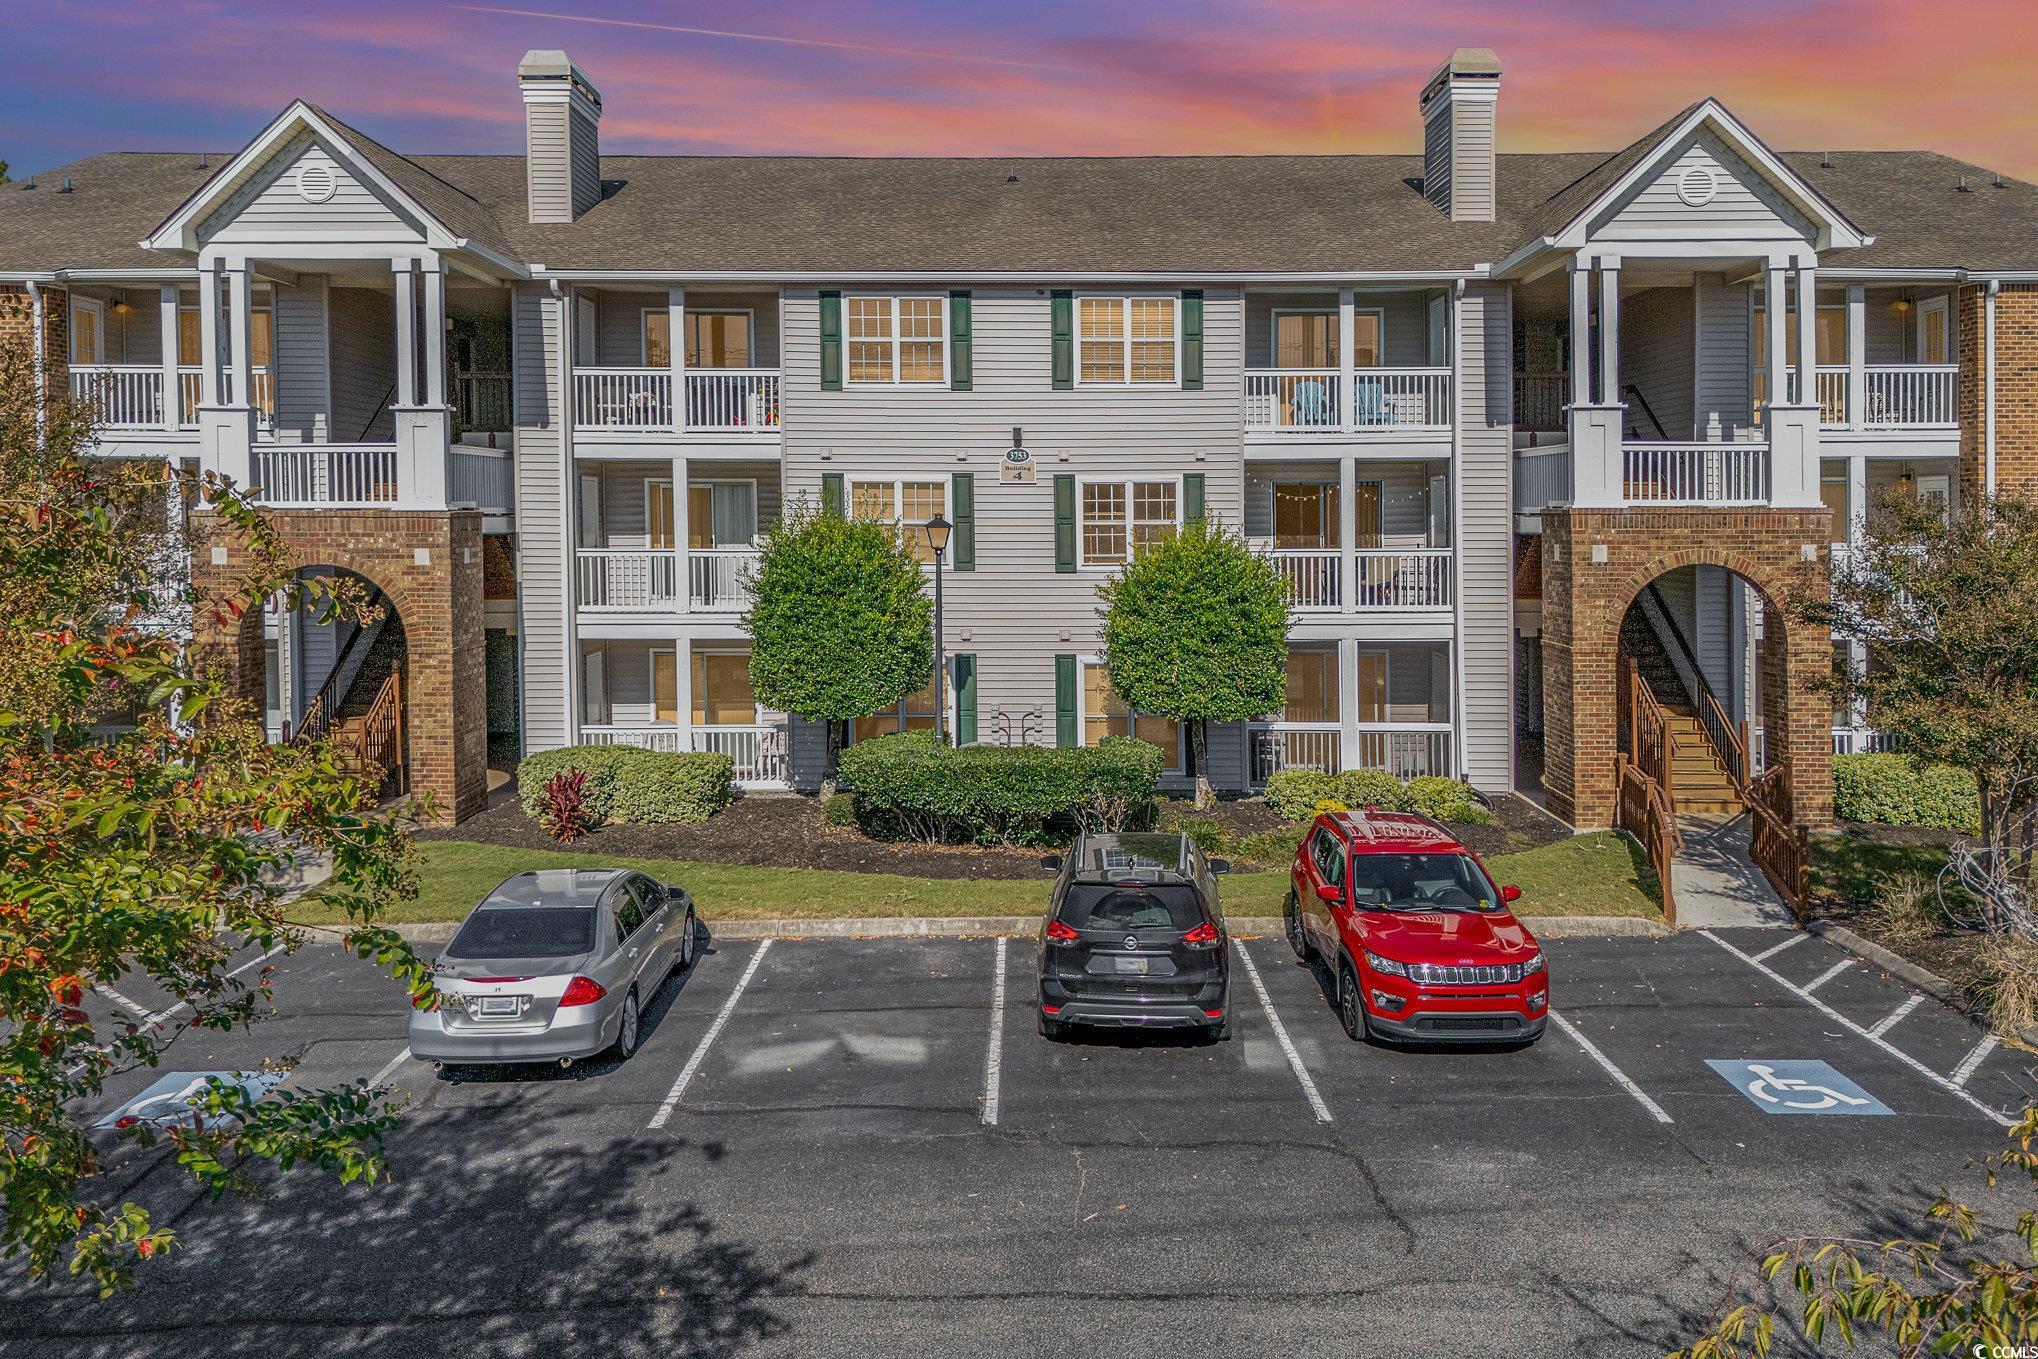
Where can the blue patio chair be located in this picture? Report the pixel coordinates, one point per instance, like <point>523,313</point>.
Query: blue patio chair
<point>1369,402</point>
<point>1313,405</point>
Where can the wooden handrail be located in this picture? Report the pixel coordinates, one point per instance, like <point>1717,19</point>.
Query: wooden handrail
<point>382,730</point>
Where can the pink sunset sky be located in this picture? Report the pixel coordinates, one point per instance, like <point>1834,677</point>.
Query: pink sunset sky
<point>974,77</point>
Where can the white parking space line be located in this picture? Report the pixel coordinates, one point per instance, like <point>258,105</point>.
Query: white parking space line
<point>1620,1077</point>
<point>1973,1060</point>
<point>1281,1036</point>
<point>994,1054</point>
<point>138,1011</point>
<point>700,1053</point>
<point>1775,949</point>
<point>1895,1017</point>
<point>389,1068</point>
<point>1944,1083</point>
<point>163,1014</point>
<point>1835,970</point>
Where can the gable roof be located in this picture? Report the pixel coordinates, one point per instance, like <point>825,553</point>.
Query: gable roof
<point>454,208</point>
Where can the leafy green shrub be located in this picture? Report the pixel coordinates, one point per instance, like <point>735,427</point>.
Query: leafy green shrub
<point>839,810</point>
<point>1894,790</point>
<point>1269,849</point>
<point>1207,833</point>
<point>911,786</point>
<point>1446,800</point>
<point>1295,793</point>
<point>1372,788</point>
<point>627,784</point>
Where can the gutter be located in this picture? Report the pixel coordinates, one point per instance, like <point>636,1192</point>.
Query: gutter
<point>1171,276</point>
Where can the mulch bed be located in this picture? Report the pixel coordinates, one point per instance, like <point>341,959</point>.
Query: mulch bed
<point>1951,953</point>
<point>788,832</point>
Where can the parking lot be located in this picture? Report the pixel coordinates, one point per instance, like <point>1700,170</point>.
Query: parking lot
<point>863,1147</point>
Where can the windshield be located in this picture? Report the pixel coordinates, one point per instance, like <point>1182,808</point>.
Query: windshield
<point>524,932</point>
<point>1107,906</point>
<point>1420,882</point>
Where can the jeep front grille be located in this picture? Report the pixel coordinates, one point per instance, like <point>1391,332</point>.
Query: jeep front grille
<point>1441,974</point>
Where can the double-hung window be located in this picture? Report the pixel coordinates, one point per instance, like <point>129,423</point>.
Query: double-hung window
<point>1121,519</point>
<point>900,340</point>
<point>901,505</point>
<point>1129,340</point>
<point>1106,714</point>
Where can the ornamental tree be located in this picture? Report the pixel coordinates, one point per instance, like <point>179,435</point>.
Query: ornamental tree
<point>1196,628</point>
<point>134,844</point>
<point>840,624</point>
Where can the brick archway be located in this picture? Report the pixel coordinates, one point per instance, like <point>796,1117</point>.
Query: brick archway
<point>429,565</point>
<point>1595,562</point>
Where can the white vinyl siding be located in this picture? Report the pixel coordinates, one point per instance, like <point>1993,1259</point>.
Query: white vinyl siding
<point>1743,206</point>
<point>1486,541</point>
<point>268,207</point>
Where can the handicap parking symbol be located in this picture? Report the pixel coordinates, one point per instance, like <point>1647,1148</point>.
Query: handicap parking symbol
<point>173,1098</point>
<point>1795,1087</point>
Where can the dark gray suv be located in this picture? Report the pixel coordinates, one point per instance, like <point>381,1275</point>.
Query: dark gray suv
<point>1134,938</point>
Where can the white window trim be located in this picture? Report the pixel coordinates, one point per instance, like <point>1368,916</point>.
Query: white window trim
<point>1936,306</point>
<point>951,712</point>
<point>1083,667</point>
<point>941,310</point>
<point>1379,315</point>
<point>651,687</point>
<point>96,308</point>
<point>644,315</point>
<point>851,481</point>
<point>1125,340</point>
<point>1082,559</point>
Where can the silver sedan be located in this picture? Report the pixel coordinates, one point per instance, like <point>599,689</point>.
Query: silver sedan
<point>554,966</point>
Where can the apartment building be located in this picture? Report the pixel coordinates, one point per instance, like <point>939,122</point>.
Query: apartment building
<point>1489,413</point>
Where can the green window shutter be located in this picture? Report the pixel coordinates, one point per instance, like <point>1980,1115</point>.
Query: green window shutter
<point>959,355</point>
<point>1062,311</point>
<point>1192,340</point>
<point>831,494</point>
<point>963,510</point>
<point>1064,522</point>
<point>965,699</point>
<point>1065,733</point>
<point>831,341</point>
<point>1192,498</point>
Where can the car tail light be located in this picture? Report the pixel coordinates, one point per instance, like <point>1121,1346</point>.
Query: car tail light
<point>1205,933</point>
<point>1213,1014</point>
<point>1050,1009</point>
<point>1057,930</point>
<point>582,991</point>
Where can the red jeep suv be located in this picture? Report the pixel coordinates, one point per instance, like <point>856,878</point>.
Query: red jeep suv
<point>1421,939</point>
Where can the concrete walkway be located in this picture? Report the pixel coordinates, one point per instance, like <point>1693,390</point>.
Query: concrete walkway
<point>1716,884</point>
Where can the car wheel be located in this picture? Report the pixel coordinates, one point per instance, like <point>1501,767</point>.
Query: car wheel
<point>686,939</point>
<point>626,1032</point>
<point>1351,1011</point>
<point>1298,937</point>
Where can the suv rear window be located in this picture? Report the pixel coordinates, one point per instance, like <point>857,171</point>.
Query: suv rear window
<point>1108,906</point>
<point>524,932</point>
<point>1420,882</point>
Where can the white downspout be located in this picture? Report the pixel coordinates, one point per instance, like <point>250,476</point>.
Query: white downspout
<point>1989,384</point>
<point>35,310</point>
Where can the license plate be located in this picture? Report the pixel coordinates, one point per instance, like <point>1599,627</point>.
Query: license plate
<point>1138,966</point>
<point>491,1007</point>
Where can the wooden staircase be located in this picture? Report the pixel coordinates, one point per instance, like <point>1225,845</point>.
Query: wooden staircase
<point>1701,781</point>
<point>366,724</point>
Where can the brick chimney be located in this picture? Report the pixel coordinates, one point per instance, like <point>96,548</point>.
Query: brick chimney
<point>1458,159</point>
<point>562,148</point>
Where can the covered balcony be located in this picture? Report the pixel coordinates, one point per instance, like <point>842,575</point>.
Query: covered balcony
<point>1347,365</point>
<point>669,536</point>
<point>1361,705</point>
<point>638,693</point>
<point>1887,361</point>
<point>1398,524</point>
<point>629,382</point>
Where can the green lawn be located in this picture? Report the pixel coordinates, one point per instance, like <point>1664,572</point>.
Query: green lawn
<point>1598,874</point>
<point>1849,868</point>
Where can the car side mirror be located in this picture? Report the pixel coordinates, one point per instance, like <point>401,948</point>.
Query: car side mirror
<point>1510,893</point>
<point>1220,865</point>
<point>1331,892</point>
<point>1051,861</point>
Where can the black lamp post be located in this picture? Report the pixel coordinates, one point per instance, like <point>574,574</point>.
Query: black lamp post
<point>935,531</point>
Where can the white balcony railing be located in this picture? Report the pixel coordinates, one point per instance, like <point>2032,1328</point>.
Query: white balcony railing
<point>1863,741</point>
<point>122,395</point>
<point>190,392</point>
<point>481,477</point>
<point>1311,575</point>
<point>628,579</point>
<point>1305,401</point>
<point>1403,579</point>
<point>1404,749</point>
<point>326,474</point>
<point>716,400</point>
<point>1694,474</point>
<point>1893,396</point>
<point>1294,745</point>
<point>718,577</point>
<point>759,750</point>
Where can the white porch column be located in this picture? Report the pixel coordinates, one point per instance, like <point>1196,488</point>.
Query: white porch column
<point>1581,331</point>
<point>1347,703</point>
<point>1777,335</point>
<point>240,311</point>
<point>1609,330</point>
<point>1347,342</point>
<point>682,531</point>
<point>406,333</point>
<point>423,430</point>
<point>675,343</point>
<point>208,334</point>
<point>173,392</point>
<point>435,333</point>
<point>1807,333</point>
<point>682,689</point>
<point>1596,461</point>
<point>226,432</point>
<point>1792,427</point>
<point>1857,354</point>
<point>1348,532</point>
<point>1857,496</point>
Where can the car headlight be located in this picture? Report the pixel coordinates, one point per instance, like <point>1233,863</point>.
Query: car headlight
<point>1533,965</point>
<point>1385,965</point>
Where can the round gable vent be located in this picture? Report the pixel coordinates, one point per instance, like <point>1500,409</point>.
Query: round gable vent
<point>316,183</point>
<point>1696,186</point>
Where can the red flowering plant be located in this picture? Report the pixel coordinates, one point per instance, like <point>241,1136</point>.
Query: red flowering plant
<point>143,818</point>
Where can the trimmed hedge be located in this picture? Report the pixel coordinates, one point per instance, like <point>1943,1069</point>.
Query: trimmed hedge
<point>1894,790</point>
<point>1298,793</point>
<point>911,786</point>
<point>627,784</point>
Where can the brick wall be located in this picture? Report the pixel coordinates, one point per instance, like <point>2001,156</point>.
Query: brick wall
<point>2016,367</point>
<point>17,328</point>
<point>1595,562</point>
<point>430,566</point>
